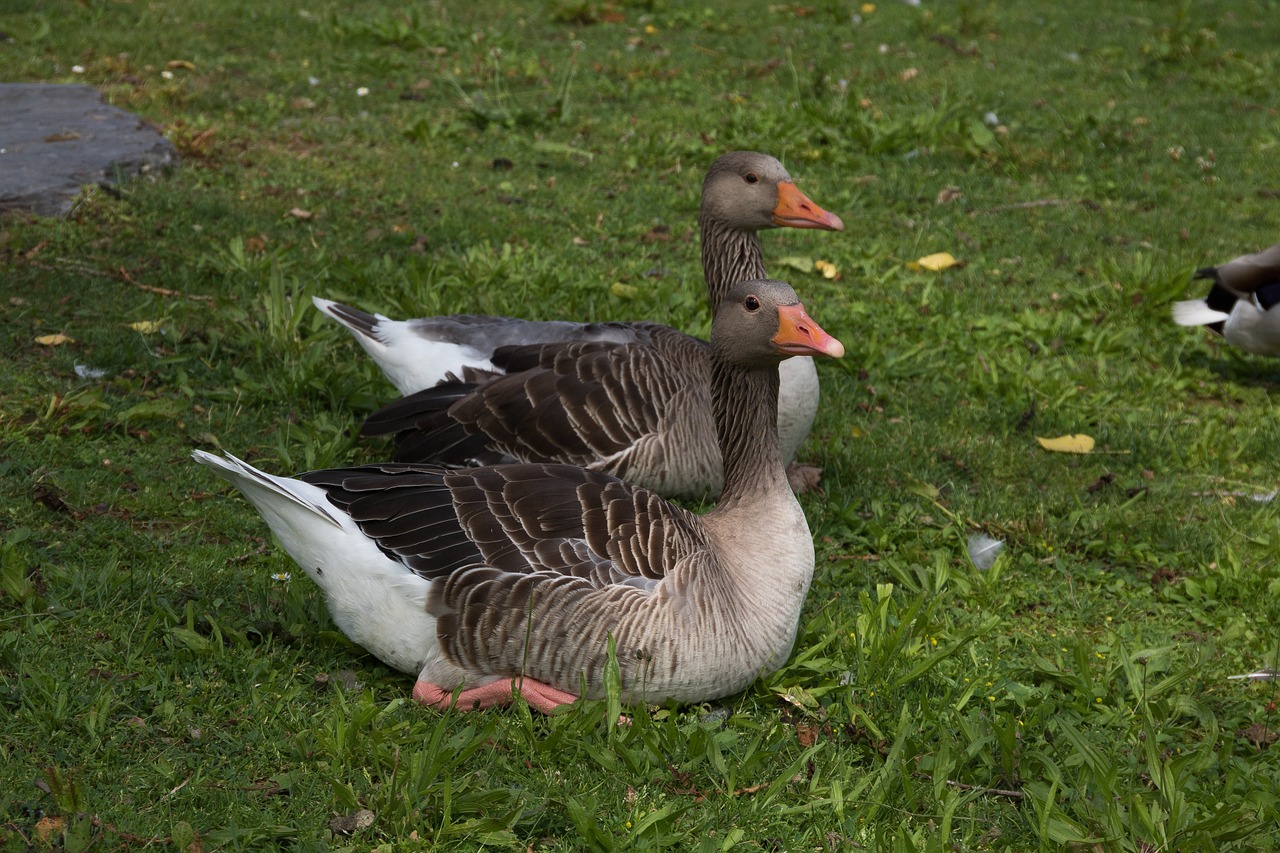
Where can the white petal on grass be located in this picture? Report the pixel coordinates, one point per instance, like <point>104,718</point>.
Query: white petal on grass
<point>1260,675</point>
<point>990,119</point>
<point>983,551</point>
<point>84,371</point>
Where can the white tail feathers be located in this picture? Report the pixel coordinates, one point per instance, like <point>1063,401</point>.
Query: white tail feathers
<point>1196,312</point>
<point>264,491</point>
<point>326,305</point>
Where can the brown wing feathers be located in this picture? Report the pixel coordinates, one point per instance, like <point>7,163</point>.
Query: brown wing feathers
<point>578,402</point>
<point>527,519</point>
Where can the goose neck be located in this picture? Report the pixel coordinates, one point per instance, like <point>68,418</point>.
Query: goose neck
<point>729,255</point>
<point>745,405</point>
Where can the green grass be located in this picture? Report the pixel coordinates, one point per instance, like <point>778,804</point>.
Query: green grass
<point>157,683</point>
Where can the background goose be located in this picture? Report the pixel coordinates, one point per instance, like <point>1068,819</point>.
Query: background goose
<point>511,578</point>
<point>743,192</point>
<point>630,399</point>
<point>1239,305</point>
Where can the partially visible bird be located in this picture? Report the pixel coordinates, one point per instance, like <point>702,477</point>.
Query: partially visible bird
<point>1239,306</point>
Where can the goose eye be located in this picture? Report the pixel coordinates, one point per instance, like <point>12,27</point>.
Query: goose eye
<point>751,178</point>
<point>752,303</point>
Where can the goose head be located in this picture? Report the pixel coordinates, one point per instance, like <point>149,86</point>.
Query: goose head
<point>750,191</point>
<point>762,322</point>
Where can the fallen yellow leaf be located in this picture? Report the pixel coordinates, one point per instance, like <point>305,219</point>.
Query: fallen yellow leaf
<point>828,269</point>
<point>1067,444</point>
<point>797,262</point>
<point>55,340</point>
<point>937,262</point>
<point>146,327</point>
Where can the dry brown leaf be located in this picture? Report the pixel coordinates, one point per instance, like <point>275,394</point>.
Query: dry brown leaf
<point>299,213</point>
<point>350,823</point>
<point>48,827</point>
<point>803,478</point>
<point>909,75</point>
<point>1078,443</point>
<point>656,234</point>
<point>55,340</point>
<point>1259,734</point>
<point>946,195</point>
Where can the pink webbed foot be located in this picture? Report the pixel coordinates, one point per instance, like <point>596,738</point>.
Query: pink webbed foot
<point>539,695</point>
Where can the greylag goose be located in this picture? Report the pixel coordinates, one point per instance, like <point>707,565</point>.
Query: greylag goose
<point>511,579</point>
<point>1240,303</point>
<point>629,399</point>
<point>743,192</point>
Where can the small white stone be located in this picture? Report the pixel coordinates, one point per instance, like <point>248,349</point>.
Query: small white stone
<point>77,69</point>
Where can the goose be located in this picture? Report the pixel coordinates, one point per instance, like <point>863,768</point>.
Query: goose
<point>629,399</point>
<point>488,583</point>
<point>1240,302</point>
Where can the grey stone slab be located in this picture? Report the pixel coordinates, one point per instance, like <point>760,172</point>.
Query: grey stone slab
<point>54,139</point>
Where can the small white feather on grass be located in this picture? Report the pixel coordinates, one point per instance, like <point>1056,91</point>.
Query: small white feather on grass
<point>983,551</point>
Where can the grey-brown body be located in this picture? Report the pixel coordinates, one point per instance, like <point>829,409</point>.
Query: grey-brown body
<point>474,575</point>
<point>638,408</point>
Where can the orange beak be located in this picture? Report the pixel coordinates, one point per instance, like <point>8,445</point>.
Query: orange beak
<point>796,210</point>
<point>799,335</point>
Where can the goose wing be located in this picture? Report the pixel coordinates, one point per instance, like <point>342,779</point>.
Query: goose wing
<point>549,520</point>
<point>597,404</point>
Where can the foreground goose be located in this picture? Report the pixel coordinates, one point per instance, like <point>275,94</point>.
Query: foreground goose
<point>1240,304</point>
<point>629,399</point>
<point>511,579</point>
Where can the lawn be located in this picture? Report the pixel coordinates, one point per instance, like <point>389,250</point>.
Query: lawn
<point>167,676</point>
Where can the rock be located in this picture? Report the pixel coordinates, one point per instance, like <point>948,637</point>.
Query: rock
<point>54,139</point>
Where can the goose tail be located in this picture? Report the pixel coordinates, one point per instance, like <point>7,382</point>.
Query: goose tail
<point>1196,312</point>
<point>278,499</point>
